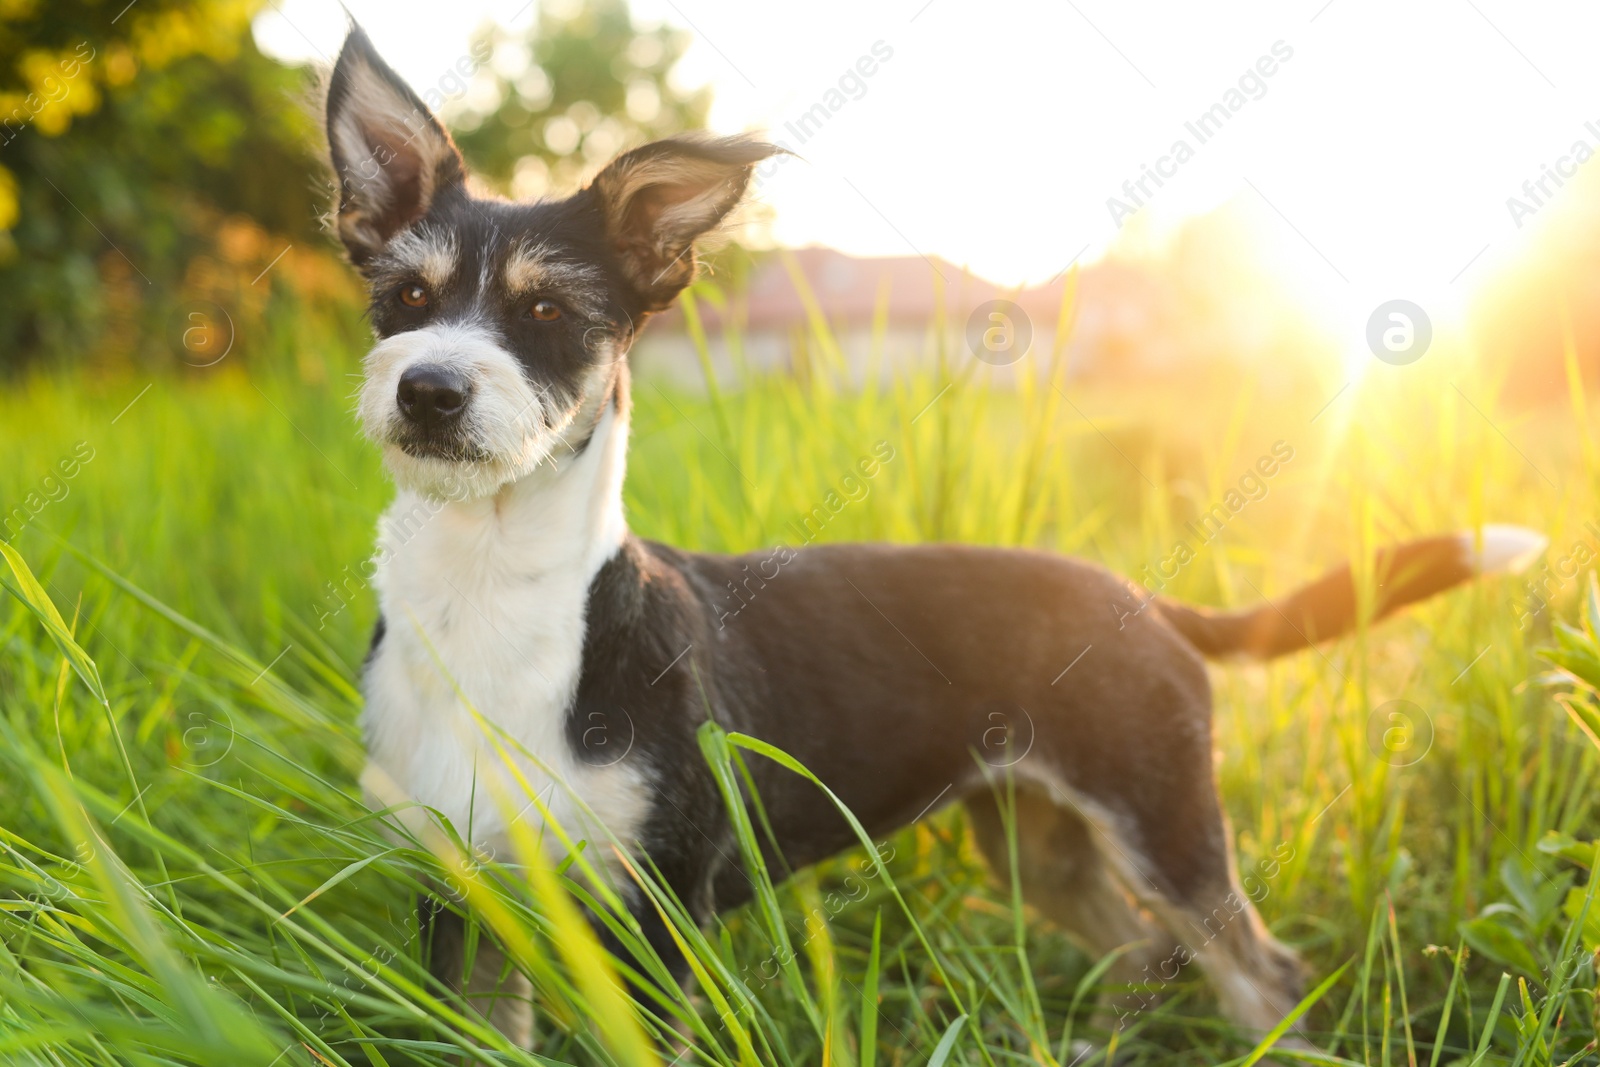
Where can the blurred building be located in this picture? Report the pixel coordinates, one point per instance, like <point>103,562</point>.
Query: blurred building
<point>882,315</point>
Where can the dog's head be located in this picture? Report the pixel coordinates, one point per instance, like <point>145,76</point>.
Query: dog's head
<point>502,326</point>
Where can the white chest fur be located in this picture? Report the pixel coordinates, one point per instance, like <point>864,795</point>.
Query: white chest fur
<point>484,603</point>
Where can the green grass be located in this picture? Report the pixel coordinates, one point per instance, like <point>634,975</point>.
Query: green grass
<point>188,874</point>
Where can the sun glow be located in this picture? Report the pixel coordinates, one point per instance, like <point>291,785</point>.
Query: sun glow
<point>1356,189</point>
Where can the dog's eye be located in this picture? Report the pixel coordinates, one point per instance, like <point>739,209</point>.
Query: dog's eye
<point>545,311</point>
<point>414,296</point>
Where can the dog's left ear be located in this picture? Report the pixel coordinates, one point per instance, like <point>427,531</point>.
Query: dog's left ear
<point>659,199</point>
<point>391,156</point>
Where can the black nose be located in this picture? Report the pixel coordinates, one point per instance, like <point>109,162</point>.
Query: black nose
<point>431,395</point>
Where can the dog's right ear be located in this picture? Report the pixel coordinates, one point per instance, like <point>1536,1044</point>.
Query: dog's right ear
<point>657,201</point>
<point>391,157</point>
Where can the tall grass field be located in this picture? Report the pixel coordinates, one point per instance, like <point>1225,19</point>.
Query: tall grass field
<point>189,875</point>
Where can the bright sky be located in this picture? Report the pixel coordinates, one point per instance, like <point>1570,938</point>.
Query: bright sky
<point>1377,160</point>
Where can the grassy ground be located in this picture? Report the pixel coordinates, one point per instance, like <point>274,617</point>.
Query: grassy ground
<point>188,875</point>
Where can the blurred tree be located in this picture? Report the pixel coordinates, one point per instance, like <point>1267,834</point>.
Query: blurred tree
<point>557,103</point>
<point>152,158</point>
<point>128,134</point>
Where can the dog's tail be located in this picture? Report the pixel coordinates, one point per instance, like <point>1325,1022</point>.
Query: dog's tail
<point>1401,574</point>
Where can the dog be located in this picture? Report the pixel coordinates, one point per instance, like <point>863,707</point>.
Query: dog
<point>509,584</point>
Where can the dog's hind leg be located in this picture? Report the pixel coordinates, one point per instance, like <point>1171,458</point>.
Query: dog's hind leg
<point>1258,980</point>
<point>1065,877</point>
<point>1169,844</point>
<point>488,981</point>
<point>1107,893</point>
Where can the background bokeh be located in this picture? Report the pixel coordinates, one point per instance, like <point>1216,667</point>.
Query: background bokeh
<point>187,873</point>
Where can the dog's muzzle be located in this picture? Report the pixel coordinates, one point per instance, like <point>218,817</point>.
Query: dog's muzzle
<point>432,401</point>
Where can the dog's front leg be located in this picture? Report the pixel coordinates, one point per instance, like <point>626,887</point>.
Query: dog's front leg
<point>479,971</point>
<point>503,995</point>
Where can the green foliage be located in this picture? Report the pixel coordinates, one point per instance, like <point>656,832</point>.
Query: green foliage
<point>149,131</point>
<point>134,143</point>
<point>584,84</point>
